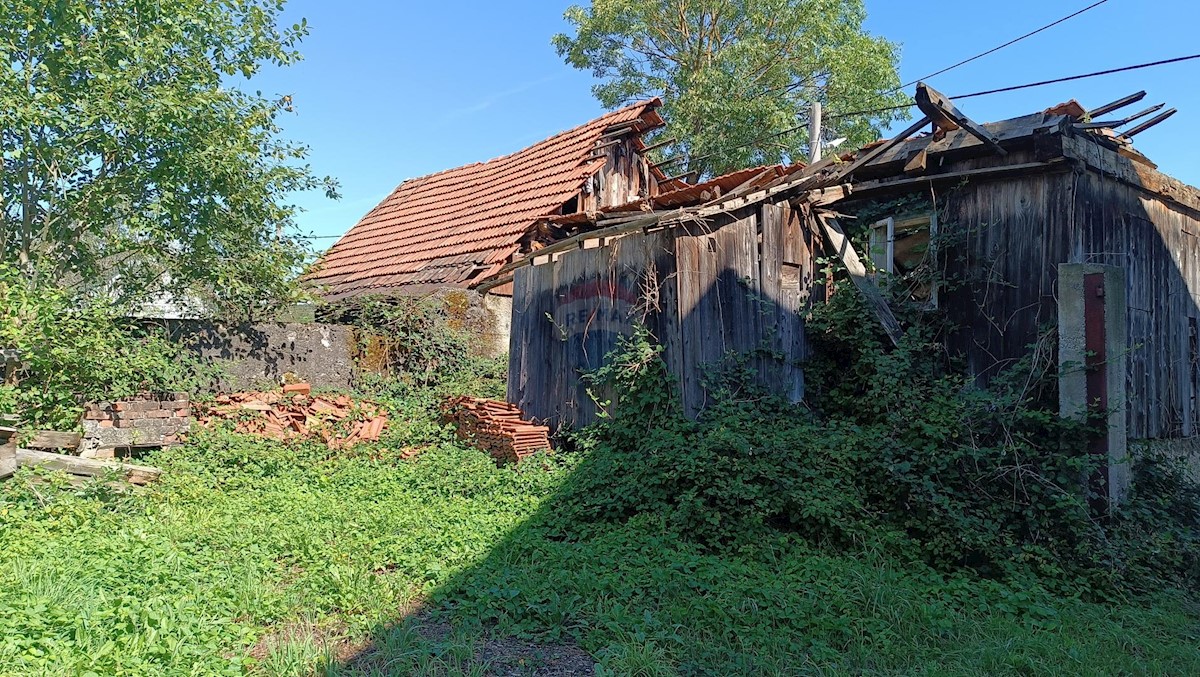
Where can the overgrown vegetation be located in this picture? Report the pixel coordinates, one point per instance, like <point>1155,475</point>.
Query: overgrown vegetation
<point>74,351</point>
<point>904,522</point>
<point>423,344</point>
<point>899,456</point>
<point>288,559</point>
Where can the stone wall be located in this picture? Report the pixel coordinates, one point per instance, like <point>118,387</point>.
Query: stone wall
<point>487,318</point>
<point>500,308</point>
<point>263,355</point>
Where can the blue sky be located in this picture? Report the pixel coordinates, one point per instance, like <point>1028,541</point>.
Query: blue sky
<point>393,90</point>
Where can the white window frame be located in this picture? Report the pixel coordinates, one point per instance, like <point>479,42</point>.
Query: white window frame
<point>885,252</point>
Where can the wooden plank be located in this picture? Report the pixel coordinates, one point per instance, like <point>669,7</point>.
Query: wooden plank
<point>945,115</point>
<point>866,187</point>
<point>52,439</point>
<point>771,260</point>
<point>664,320</point>
<point>795,286</point>
<point>1113,124</point>
<point>1108,162</point>
<point>1116,105</point>
<point>518,346</point>
<point>737,270</point>
<point>135,474</point>
<point>1150,123</point>
<point>688,252</point>
<point>858,275</point>
<point>961,143</point>
<point>657,145</point>
<point>843,174</point>
<point>918,164</point>
<point>8,459</point>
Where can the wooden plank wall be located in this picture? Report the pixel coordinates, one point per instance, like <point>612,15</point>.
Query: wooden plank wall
<point>1159,248</point>
<point>568,314</point>
<point>1015,231</point>
<point>624,178</point>
<point>735,287</point>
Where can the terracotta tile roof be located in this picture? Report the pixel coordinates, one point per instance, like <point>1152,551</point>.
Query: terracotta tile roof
<point>456,226</point>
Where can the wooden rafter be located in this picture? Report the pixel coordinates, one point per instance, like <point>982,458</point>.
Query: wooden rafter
<point>948,118</point>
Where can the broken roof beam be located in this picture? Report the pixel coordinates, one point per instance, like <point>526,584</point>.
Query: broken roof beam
<point>1150,123</point>
<point>1116,105</point>
<point>858,275</point>
<point>870,155</point>
<point>948,118</point>
<point>622,130</point>
<point>695,174</point>
<point>660,144</point>
<point>1113,124</point>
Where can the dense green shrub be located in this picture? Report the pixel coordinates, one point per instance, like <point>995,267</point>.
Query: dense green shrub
<point>895,452</point>
<point>73,350</point>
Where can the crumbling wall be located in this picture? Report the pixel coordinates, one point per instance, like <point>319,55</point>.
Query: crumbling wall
<point>152,420</point>
<point>487,318</point>
<point>264,355</point>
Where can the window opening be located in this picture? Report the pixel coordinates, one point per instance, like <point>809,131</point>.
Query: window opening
<point>900,249</point>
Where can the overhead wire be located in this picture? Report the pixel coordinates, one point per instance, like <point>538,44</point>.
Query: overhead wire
<point>909,84</point>
<point>993,50</point>
<point>1000,90</point>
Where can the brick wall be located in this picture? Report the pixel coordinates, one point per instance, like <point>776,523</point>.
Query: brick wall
<point>152,420</point>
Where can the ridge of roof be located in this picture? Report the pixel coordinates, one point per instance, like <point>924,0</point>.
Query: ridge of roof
<point>652,103</point>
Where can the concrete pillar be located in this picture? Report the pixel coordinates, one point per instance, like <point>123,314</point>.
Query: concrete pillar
<point>501,309</point>
<point>1092,353</point>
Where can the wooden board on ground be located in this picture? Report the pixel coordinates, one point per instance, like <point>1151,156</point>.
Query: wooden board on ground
<point>52,439</point>
<point>73,465</point>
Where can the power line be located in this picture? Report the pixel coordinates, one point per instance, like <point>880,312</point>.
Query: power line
<point>1000,90</point>
<point>997,49</point>
<point>931,75</point>
<point>1081,77</point>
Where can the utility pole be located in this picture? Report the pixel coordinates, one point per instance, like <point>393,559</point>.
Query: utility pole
<point>814,133</point>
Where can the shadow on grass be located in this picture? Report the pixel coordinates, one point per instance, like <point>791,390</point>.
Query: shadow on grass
<point>634,599</point>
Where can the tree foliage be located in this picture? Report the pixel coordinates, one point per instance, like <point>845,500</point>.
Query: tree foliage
<point>72,353</point>
<point>737,77</point>
<point>130,154</point>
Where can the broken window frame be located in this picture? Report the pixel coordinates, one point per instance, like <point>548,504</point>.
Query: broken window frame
<point>882,246</point>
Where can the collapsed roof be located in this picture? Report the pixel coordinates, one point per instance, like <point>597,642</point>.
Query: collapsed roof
<point>1057,134</point>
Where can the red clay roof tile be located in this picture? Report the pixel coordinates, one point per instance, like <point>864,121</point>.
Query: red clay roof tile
<point>452,226</point>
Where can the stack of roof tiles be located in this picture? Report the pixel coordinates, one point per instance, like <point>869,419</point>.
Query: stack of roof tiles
<point>338,421</point>
<point>496,427</point>
<point>463,224</point>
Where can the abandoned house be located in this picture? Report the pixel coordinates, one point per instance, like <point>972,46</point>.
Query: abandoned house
<point>1050,220</point>
<point>456,228</point>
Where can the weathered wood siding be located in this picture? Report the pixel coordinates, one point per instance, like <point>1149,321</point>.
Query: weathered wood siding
<point>624,178</point>
<point>735,287</point>
<point>1015,231</point>
<point>568,313</point>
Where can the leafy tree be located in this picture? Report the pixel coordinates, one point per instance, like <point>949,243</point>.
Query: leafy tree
<point>132,162</point>
<point>737,77</point>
